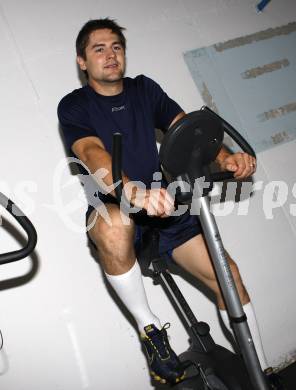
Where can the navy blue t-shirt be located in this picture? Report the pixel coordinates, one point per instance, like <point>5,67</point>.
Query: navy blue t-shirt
<point>136,112</point>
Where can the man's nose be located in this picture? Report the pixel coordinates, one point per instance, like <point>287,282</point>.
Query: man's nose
<point>111,53</point>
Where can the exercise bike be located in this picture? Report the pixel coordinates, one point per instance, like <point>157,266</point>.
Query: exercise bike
<point>187,150</point>
<point>26,224</point>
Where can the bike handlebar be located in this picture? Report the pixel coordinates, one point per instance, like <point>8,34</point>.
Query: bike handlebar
<point>200,134</point>
<point>237,137</point>
<point>117,164</point>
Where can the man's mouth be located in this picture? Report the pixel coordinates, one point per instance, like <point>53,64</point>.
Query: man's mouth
<point>111,66</point>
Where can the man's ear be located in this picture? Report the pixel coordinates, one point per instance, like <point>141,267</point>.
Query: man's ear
<point>81,62</point>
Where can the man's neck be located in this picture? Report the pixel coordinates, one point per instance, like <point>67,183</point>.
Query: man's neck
<point>107,88</point>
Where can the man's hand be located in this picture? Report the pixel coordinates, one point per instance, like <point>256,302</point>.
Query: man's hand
<point>157,202</point>
<point>241,164</point>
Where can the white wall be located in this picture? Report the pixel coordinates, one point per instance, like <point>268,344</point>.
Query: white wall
<point>61,328</point>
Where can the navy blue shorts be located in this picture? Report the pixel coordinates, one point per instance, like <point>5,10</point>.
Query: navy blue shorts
<point>173,231</point>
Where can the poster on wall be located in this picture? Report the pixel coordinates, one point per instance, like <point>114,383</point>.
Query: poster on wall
<point>251,82</point>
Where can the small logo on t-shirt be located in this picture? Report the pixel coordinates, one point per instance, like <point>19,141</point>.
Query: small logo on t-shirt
<point>118,108</point>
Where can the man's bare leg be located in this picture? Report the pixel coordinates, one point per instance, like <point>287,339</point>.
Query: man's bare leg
<point>194,257</point>
<point>115,244</point>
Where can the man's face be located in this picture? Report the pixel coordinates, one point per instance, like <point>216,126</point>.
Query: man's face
<point>105,57</point>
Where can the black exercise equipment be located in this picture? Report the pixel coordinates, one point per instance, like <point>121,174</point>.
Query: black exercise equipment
<point>186,152</point>
<point>26,224</point>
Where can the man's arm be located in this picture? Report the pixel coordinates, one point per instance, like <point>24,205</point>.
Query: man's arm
<point>179,116</point>
<point>91,151</point>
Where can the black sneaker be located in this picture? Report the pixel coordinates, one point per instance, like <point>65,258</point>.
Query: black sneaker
<point>164,364</point>
<point>274,380</point>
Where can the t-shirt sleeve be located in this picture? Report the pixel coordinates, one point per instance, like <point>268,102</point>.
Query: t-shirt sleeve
<point>74,120</point>
<point>164,108</point>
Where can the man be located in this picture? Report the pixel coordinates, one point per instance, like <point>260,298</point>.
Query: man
<point>89,116</point>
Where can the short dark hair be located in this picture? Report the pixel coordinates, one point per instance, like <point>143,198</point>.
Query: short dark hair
<point>97,24</point>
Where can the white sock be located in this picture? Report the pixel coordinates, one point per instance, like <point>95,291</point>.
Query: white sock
<point>130,289</point>
<point>253,325</point>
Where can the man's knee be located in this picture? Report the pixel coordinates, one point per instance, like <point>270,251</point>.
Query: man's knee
<point>111,231</point>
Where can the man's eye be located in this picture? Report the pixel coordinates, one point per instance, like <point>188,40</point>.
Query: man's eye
<point>99,49</point>
<point>118,47</point>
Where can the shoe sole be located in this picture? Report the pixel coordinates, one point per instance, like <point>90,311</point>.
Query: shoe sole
<point>164,381</point>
